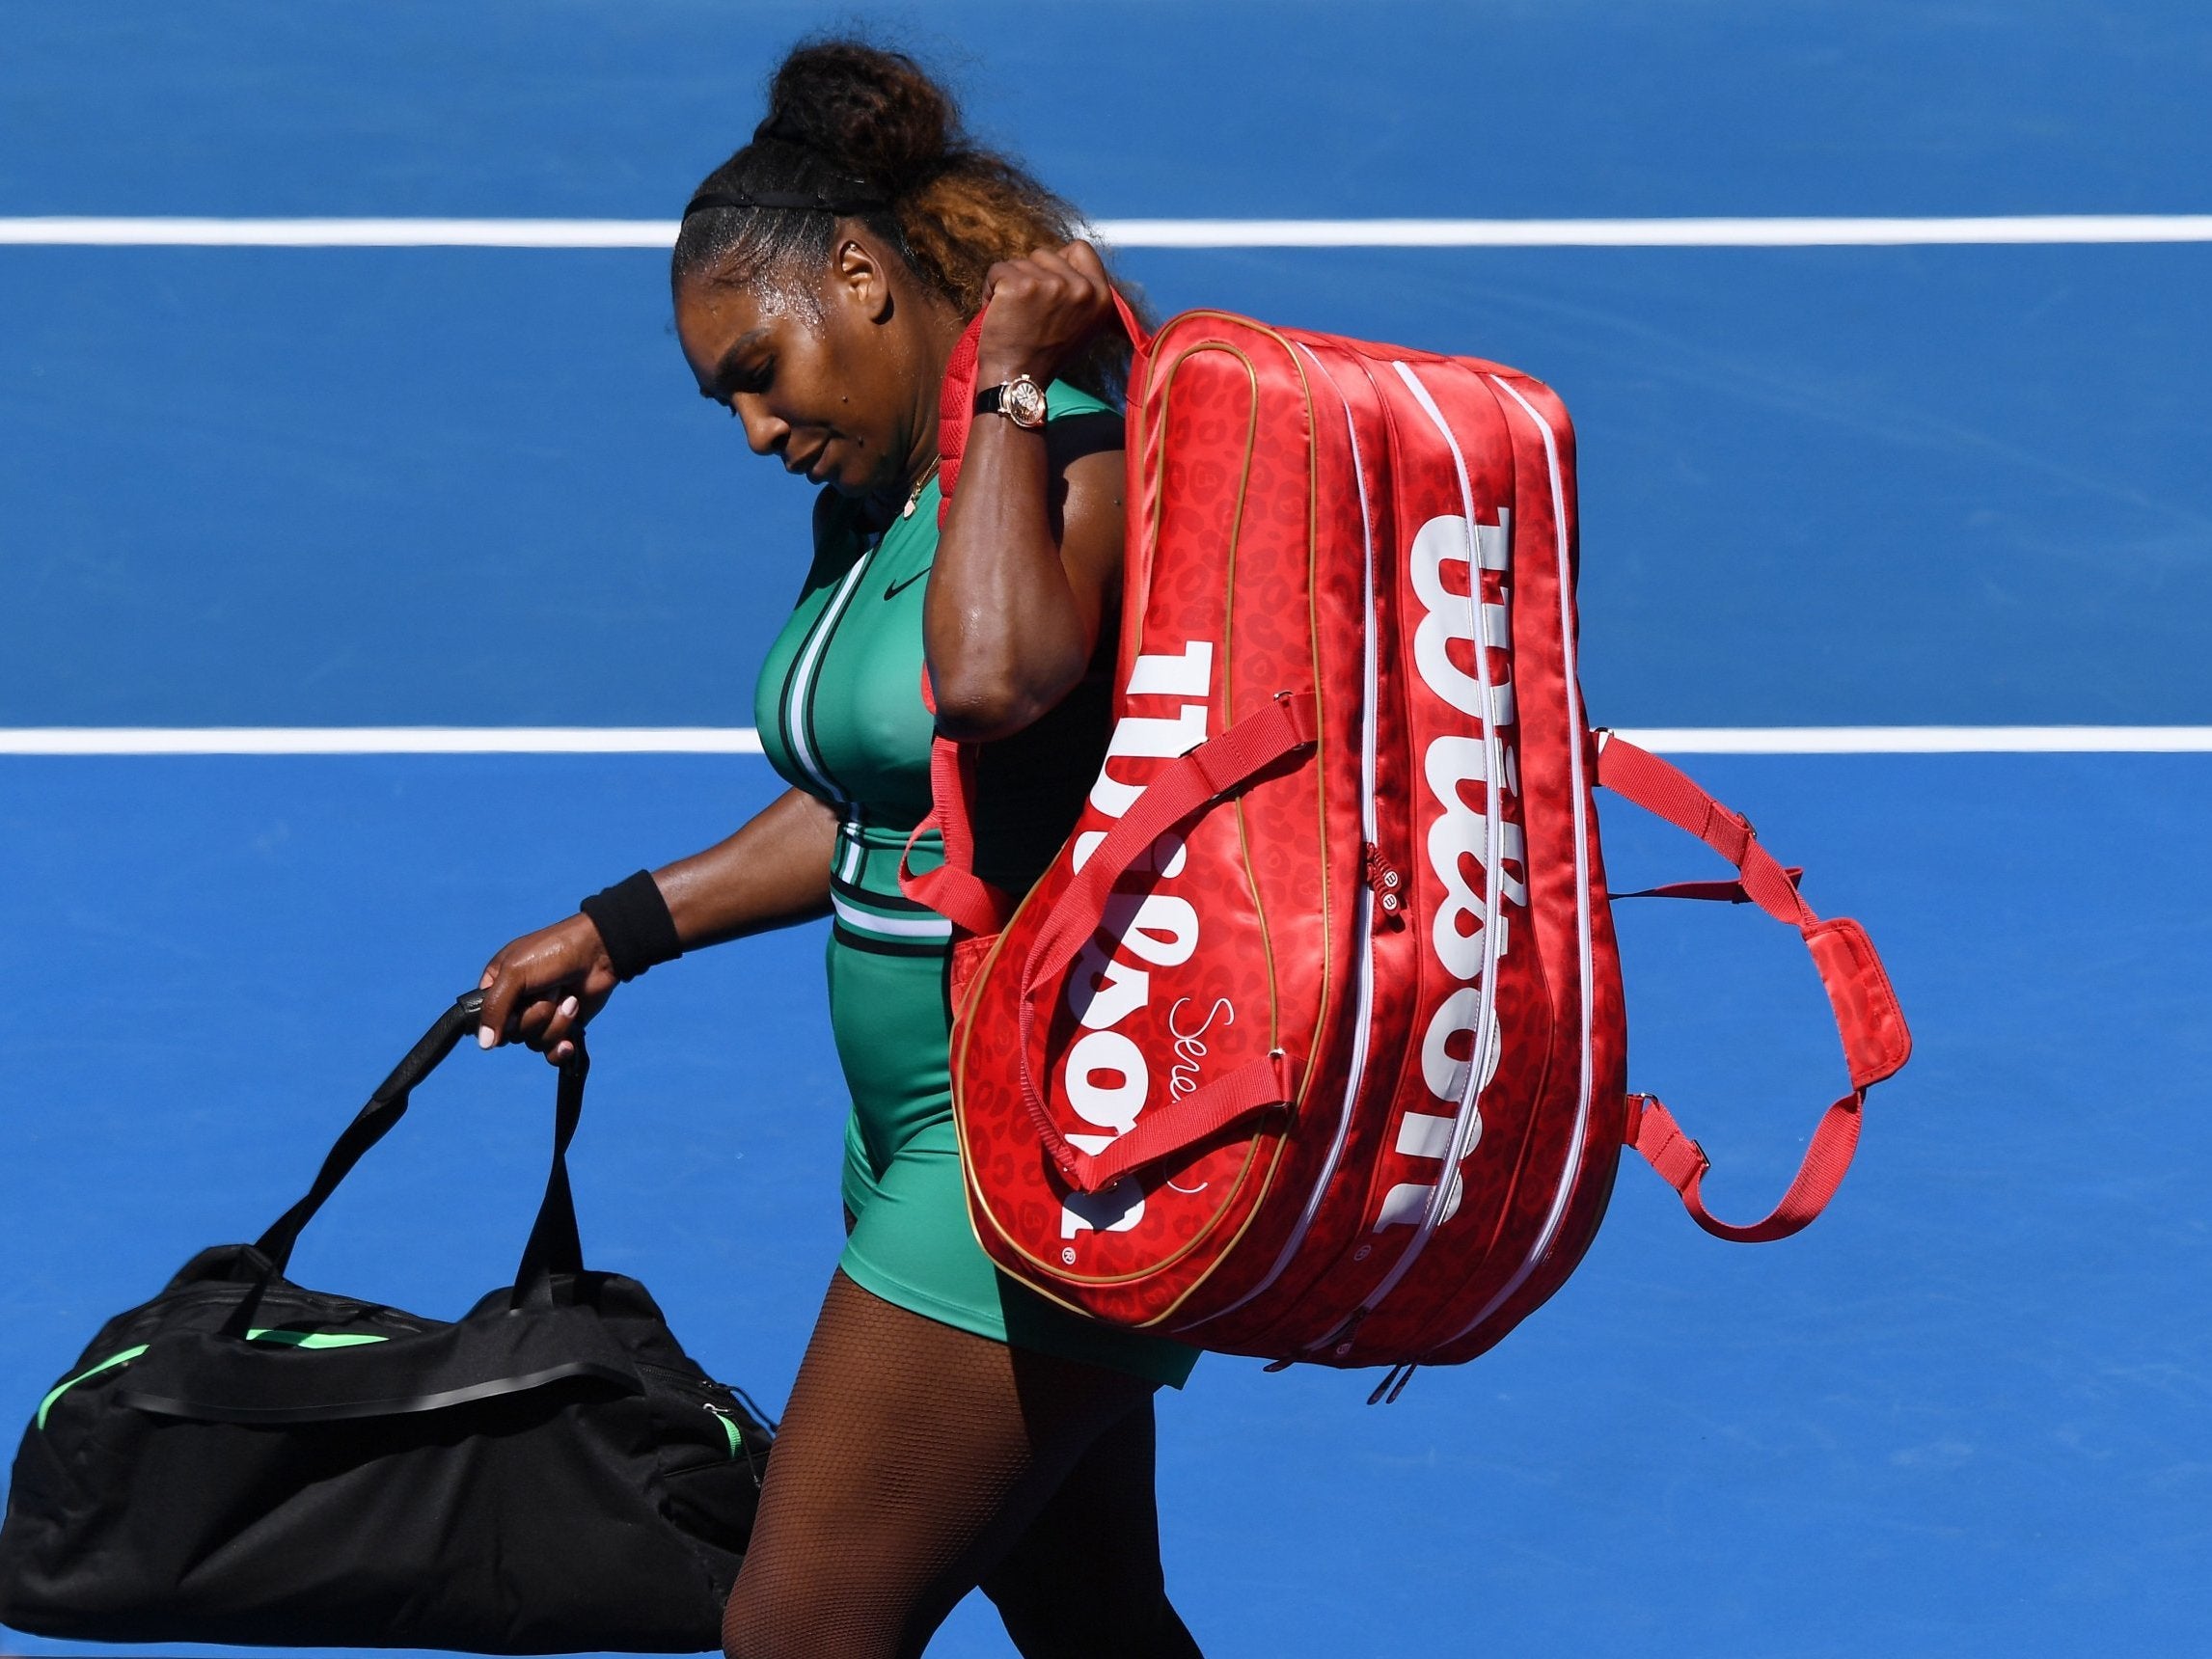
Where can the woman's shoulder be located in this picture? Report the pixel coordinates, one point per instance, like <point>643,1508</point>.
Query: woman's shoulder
<point>1065,402</point>
<point>1079,423</point>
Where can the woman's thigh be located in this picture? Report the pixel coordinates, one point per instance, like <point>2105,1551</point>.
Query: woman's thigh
<point>912,1458</point>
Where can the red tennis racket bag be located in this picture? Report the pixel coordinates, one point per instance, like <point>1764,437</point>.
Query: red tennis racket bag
<point>1310,1043</point>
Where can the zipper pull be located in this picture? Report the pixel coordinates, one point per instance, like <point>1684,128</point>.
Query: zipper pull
<point>1338,1342</point>
<point>1388,887</point>
<point>1393,1383</point>
<point>729,1427</point>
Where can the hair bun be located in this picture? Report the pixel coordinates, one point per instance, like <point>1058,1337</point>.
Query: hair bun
<point>841,113</point>
<point>870,112</point>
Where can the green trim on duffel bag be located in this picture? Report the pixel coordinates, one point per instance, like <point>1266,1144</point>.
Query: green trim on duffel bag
<point>276,1337</point>
<point>108,1363</point>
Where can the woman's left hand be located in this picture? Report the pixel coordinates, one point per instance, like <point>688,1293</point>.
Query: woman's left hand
<point>1041,309</point>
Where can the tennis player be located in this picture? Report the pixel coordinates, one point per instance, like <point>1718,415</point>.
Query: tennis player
<point>948,1428</point>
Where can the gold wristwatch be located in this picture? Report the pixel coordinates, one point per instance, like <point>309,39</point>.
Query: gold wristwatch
<point>1021,399</point>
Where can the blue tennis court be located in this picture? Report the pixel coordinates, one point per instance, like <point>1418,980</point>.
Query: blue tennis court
<point>1934,486</point>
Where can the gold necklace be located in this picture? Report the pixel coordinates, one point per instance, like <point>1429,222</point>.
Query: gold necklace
<point>913,496</point>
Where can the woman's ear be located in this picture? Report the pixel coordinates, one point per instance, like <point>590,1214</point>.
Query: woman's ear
<point>857,276</point>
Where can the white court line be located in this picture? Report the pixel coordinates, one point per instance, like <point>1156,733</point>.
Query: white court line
<point>659,234</point>
<point>2070,227</point>
<point>746,739</point>
<point>379,740</point>
<point>91,232</point>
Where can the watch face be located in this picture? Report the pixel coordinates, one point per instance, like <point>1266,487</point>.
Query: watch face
<point>1023,402</point>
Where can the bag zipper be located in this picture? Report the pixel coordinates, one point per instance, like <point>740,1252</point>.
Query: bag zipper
<point>1384,883</point>
<point>699,1383</point>
<point>1484,1034</point>
<point>1369,893</point>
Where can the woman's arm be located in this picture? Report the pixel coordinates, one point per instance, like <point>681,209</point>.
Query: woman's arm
<point>772,872</point>
<point>542,988</point>
<point>1030,556</point>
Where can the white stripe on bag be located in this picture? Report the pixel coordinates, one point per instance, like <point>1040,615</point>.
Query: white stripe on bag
<point>1584,947</point>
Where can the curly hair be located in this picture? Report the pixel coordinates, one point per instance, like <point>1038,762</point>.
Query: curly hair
<point>855,132</point>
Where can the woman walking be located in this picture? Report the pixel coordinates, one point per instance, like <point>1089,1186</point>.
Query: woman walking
<point>948,1428</point>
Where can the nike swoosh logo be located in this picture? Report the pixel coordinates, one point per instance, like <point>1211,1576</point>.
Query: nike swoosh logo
<point>898,587</point>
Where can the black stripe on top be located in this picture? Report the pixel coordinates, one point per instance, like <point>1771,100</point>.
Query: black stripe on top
<point>874,945</point>
<point>859,895</point>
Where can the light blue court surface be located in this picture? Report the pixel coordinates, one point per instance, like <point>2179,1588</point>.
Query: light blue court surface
<point>1965,1414</point>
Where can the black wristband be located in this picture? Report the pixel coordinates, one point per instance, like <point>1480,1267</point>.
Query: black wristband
<point>633,924</point>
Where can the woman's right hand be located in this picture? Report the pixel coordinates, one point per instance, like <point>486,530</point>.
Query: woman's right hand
<point>541,988</point>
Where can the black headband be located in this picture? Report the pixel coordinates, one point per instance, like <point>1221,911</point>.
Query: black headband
<point>812,202</point>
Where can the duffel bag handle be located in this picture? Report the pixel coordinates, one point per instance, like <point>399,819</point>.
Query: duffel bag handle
<point>1215,769</point>
<point>553,1245</point>
<point>1876,1041</point>
<point>953,889</point>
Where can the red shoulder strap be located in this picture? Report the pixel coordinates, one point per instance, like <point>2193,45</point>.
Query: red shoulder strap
<point>953,889</point>
<point>955,413</point>
<point>1876,1041</point>
<point>1217,768</point>
<point>955,403</point>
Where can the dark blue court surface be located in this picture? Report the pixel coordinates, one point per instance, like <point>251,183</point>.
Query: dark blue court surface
<point>1965,1414</point>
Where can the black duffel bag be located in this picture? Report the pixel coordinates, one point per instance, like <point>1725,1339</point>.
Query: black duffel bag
<point>243,1459</point>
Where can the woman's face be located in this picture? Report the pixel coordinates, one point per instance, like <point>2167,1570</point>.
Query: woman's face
<point>831,382</point>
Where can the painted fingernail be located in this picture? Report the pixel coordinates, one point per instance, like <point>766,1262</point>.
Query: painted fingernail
<point>567,1007</point>
<point>486,1037</point>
